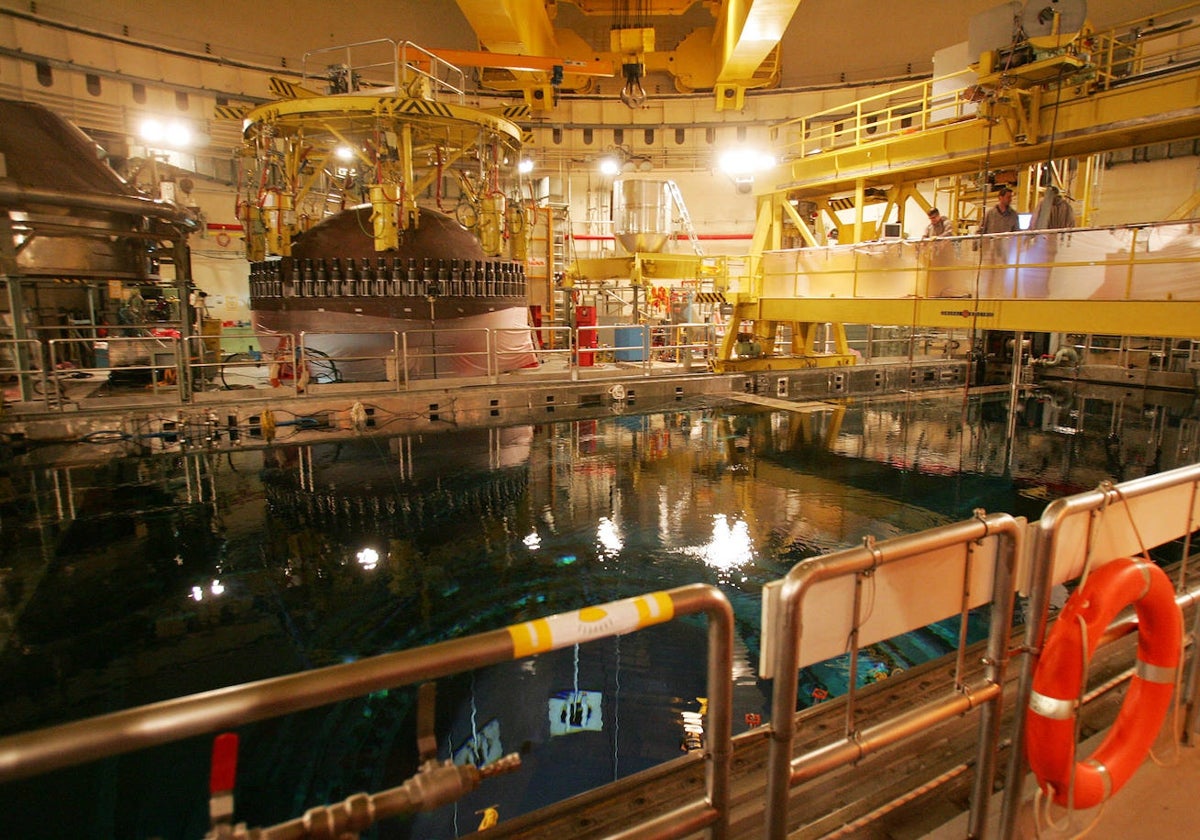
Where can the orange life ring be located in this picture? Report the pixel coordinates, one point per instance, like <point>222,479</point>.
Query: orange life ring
<point>1061,671</point>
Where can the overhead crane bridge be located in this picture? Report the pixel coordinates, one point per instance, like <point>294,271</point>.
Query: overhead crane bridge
<point>1039,112</point>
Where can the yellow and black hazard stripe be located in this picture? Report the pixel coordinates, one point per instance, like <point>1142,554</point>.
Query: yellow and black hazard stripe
<point>515,112</point>
<point>426,107</point>
<point>230,112</point>
<point>288,90</point>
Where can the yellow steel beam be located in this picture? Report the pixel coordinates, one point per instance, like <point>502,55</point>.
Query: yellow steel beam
<point>768,227</point>
<point>746,32</point>
<point>801,224</point>
<point>738,54</point>
<point>523,28</point>
<point>355,110</point>
<point>1187,209</point>
<point>511,26</point>
<point>531,63</point>
<point>289,90</point>
<point>1171,319</point>
<point>613,8</point>
<point>602,268</point>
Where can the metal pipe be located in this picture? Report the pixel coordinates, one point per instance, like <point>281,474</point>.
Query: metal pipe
<point>713,603</point>
<point>995,666</point>
<point>14,195</point>
<point>41,751</point>
<point>678,823</point>
<point>1192,687</point>
<point>1014,393</point>
<point>894,730</point>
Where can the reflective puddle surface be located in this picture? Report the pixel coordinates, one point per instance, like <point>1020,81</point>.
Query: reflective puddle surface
<point>146,578</point>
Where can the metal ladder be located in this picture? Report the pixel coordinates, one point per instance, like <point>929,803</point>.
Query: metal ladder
<point>685,217</point>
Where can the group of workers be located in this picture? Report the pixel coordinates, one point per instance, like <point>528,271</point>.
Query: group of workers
<point>1053,211</point>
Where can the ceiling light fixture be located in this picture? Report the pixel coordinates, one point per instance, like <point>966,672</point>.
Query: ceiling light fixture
<point>172,135</point>
<point>737,162</point>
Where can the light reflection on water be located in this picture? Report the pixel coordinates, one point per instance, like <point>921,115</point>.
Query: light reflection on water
<point>729,548</point>
<point>182,574</point>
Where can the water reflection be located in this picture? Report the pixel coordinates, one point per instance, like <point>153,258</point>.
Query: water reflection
<point>144,579</point>
<point>608,539</point>
<point>729,549</point>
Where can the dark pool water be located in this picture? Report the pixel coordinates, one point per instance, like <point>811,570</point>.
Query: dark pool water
<point>145,578</point>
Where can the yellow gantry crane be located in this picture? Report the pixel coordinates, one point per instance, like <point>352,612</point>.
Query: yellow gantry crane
<point>1032,106</point>
<point>739,52</point>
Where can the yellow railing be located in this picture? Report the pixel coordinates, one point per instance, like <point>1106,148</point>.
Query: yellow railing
<point>1158,43</point>
<point>904,110</point>
<point>1156,262</point>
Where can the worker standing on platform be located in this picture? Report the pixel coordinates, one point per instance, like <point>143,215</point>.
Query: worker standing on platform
<point>1053,211</point>
<point>939,225</point>
<point>1001,218</point>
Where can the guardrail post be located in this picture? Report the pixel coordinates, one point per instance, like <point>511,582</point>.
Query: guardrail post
<point>805,575</point>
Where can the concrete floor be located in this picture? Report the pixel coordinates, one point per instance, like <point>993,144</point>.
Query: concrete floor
<point>1160,802</point>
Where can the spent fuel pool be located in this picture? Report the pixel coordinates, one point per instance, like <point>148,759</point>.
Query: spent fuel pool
<point>146,578</point>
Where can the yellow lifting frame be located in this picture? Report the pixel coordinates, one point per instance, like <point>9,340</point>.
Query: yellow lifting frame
<point>311,126</point>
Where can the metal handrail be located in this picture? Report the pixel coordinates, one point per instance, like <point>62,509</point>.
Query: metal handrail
<point>419,353</point>
<point>168,345</point>
<point>876,117</point>
<point>306,350</point>
<point>23,351</point>
<point>1114,55</point>
<point>349,64</point>
<point>200,368</point>
<point>1007,266</point>
<point>1056,557</point>
<point>1122,52</point>
<point>1058,550</point>
<point>34,753</point>
<point>408,65</point>
<point>782,770</point>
